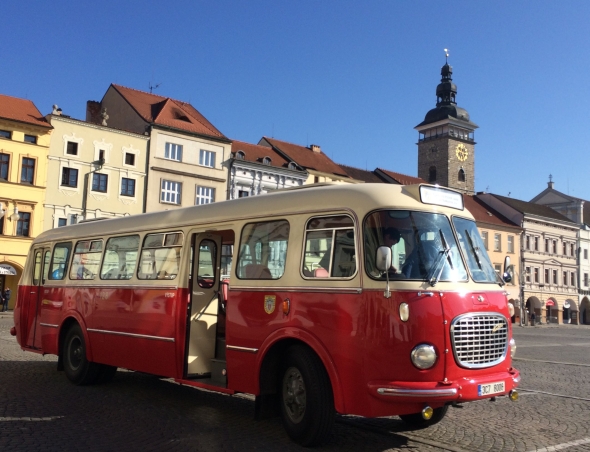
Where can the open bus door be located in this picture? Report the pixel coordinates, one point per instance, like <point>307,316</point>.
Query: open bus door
<point>204,302</point>
<point>31,312</point>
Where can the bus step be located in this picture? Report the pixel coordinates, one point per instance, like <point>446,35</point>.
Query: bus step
<point>218,372</point>
<point>220,348</point>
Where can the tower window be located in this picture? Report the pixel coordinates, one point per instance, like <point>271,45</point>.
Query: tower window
<point>432,174</point>
<point>461,175</point>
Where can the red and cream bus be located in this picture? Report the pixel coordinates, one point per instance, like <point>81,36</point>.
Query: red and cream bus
<point>368,299</point>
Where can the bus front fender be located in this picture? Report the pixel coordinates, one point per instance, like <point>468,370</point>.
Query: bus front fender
<point>284,337</point>
<point>70,318</point>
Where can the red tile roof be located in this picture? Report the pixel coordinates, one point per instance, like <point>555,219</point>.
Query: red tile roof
<point>402,179</point>
<point>305,157</point>
<point>168,112</point>
<point>361,174</point>
<point>485,214</point>
<point>255,153</point>
<point>21,110</point>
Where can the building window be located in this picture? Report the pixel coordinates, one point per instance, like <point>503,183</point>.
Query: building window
<point>127,187</point>
<point>585,279</point>
<point>62,222</point>
<point>546,245</point>
<point>573,279</point>
<point>461,175</point>
<point>243,193</point>
<point>536,274</point>
<point>207,158</point>
<point>173,152</point>
<point>4,164</point>
<point>573,249</point>
<point>564,249</point>
<point>554,246</point>
<point>171,192</point>
<point>100,182</point>
<point>498,269</point>
<point>565,278</point>
<point>205,195</point>
<point>511,244</point>
<point>5,134</point>
<point>31,139</point>
<point>497,242</point>
<point>129,159</point>
<point>484,236</point>
<point>528,242</point>
<point>72,148</point>
<point>23,224</point>
<point>547,280</point>
<point>27,175</point>
<point>240,155</point>
<point>69,177</point>
<point>432,174</point>
<point>528,274</point>
<point>586,254</point>
<point>555,277</point>
<point>536,243</point>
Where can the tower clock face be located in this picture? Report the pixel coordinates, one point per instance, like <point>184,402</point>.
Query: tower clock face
<point>462,152</point>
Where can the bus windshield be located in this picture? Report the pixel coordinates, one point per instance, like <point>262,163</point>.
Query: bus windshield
<point>473,248</point>
<point>423,246</point>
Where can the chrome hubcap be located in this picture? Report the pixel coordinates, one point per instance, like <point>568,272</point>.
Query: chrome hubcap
<point>294,396</point>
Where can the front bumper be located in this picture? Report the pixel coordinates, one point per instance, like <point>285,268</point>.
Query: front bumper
<point>461,390</point>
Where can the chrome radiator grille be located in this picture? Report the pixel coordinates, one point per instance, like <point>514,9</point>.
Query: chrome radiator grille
<point>479,339</point>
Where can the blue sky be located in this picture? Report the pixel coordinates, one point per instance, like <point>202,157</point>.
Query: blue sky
<point>353,77</point>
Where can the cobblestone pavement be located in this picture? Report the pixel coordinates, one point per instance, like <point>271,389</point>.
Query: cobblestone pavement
<point>41,411</point>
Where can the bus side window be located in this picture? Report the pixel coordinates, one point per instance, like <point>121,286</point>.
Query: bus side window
<point>263,250</point>
<point>37,268</point>
<point>120,258</point>
<point>86,260</point>
<point>160,256</point>
<point>329,248</point>
<point>59,261</point>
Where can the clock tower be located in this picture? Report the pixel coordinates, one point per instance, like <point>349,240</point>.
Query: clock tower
<point>446,148</point>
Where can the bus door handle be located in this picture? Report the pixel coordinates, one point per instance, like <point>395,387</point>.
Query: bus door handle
<point>426,294</point>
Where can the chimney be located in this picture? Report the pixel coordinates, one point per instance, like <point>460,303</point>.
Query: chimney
<point>315,148</point>
<point>550,183</point>
<point>56,110</point>
<point>93,112</point>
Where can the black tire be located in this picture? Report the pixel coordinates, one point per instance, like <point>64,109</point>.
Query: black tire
<point>78,369</point>
<point>306,398</point>
<point>416,420</point>
<point>105,373</point>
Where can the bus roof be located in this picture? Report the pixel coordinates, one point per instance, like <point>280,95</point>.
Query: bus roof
<point>361,198</point>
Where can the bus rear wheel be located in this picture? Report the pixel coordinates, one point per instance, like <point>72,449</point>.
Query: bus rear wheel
<point>418,422</point>
<point>307,402</point>
<point>78,369</point>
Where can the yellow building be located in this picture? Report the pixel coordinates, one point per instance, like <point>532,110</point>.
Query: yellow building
<point>24,141</point>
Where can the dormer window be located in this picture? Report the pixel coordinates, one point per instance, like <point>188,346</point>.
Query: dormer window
<point>292,166</point>
<point>240,155</point>
<point>266,161</point>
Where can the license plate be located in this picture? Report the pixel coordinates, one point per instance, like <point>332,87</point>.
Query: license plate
<point>490,388</point>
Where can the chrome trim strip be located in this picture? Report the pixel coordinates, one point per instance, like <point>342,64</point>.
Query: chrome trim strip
<point>241,349</point>
<point>142,336</point>
<point>417,392</point>
<point>306,289</point>
<point>49,325</point>
<point>112,286</point>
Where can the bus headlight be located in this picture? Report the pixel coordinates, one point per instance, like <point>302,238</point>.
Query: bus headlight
<point>511,309</point>
<point>512,344</point>
<point>423,356</point>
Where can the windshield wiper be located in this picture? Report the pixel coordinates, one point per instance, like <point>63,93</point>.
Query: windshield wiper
<point>474,250</point>
<point>440,262</point>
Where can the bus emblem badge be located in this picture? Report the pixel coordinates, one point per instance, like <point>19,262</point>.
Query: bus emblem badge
<point>269,303</point>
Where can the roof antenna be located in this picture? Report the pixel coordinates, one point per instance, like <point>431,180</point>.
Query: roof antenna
<point>447,56</point>
<point>152,87</point>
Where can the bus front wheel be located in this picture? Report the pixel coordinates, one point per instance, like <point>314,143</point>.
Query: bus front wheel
<point>78,369</point>
<point>307,402</point>
<point>418,422</point>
